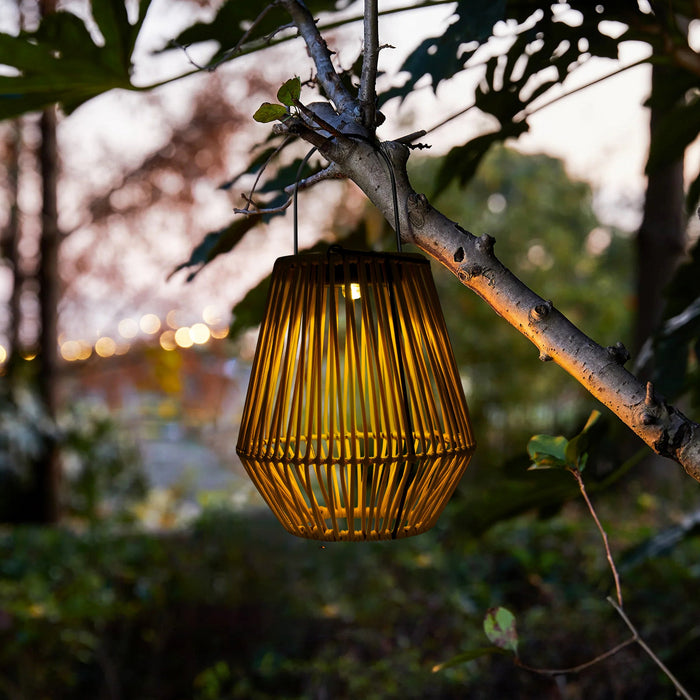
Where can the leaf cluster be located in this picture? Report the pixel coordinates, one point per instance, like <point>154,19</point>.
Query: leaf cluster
<point>288,96</point>
<point>62,62</point>
<point>546,43</point>
<point>556,452</point>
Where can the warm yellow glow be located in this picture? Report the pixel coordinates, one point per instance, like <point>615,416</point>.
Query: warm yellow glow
<point>105,346</point>
<point>183,337</point>
<point>28,355</point>
<point>200,333</point>
<point>354,290</point>
<point>128,328</point>
<point>84,350</point>
<point>70,350</point>
<point>219,333</point>
<point>3,354</point>
<point>122,348</point>
<point>167,340</point>
<point>150,324</point>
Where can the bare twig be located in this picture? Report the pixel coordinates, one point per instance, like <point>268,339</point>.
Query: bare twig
<point>408,139</point>
<point>233,51</point>
<point>679,688</point>
<point>579,479</point>
<point>274,154</point>
<point>370,57</point>
<point>580,667</point>
<point>330,173</point>
<point>252,208</point>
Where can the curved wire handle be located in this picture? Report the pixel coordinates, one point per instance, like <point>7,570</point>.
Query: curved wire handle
<point>394,196</point>
<point>296,189</point>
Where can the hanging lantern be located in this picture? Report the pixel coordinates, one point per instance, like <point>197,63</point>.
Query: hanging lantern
<point>355,426</point>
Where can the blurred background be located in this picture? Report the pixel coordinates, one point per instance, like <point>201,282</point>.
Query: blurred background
<point>154,570</point>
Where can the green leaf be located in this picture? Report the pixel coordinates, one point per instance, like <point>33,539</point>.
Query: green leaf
<point>256,22</point>
<point>467,656</point>
<point>499,626</point>
<point>60,62</point>
<point>268,112</point>
<point>113,23</point>
<point>216,243</point>
<point>576,450</point>
<point>548,452</point>
<point>248,312</point>
<point>290,92</point>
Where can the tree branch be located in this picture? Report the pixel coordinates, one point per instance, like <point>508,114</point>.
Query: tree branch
<point>370,58</point>
<point>327,76</point>
<point>472,260</point>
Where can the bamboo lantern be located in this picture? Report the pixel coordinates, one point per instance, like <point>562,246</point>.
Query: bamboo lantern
<point>355,425</point>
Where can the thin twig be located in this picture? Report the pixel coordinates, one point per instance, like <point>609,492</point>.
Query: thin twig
<point>580,667</point>
<point>577,475</point>
<point>257,210</point>
<point>233,51</point>
<point>679,688</point>
<point>544,105</point>
<point>275,153</point>
<point>332,172</point>
<point>370,57</point>
<point>573,91</point>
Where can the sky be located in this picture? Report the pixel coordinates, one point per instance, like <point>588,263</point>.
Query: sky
<point>601,133</point>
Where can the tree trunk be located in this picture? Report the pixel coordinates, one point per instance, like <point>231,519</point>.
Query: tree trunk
<point>11,247</point>
<point>48,472</point>
<point>661,238</point>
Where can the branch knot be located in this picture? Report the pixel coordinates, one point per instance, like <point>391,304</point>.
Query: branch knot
<point>540,311</point>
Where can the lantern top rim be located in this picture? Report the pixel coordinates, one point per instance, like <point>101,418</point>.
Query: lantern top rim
<point>336,252</point>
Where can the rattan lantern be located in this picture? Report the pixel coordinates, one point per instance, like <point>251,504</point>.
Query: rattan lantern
<point>355,425</point>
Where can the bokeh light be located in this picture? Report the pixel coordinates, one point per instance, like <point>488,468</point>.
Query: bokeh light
<point>128,328</point>
<point>200,333</point>
<point>150,324</point>
<point>167,340</point>
<point>183,337</point>
<point>105,347</point>
<point>219,333</point>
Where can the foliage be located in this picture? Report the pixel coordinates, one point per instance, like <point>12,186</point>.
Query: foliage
<point>102,469</point>
<point>549,452</point>
<point>25,434</point>
<point>288,95</point>
<point>546,43</point>
<point>61,62</point>
<point>237,608</point>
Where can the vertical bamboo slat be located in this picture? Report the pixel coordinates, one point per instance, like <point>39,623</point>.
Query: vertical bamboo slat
<point>355,426</point>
